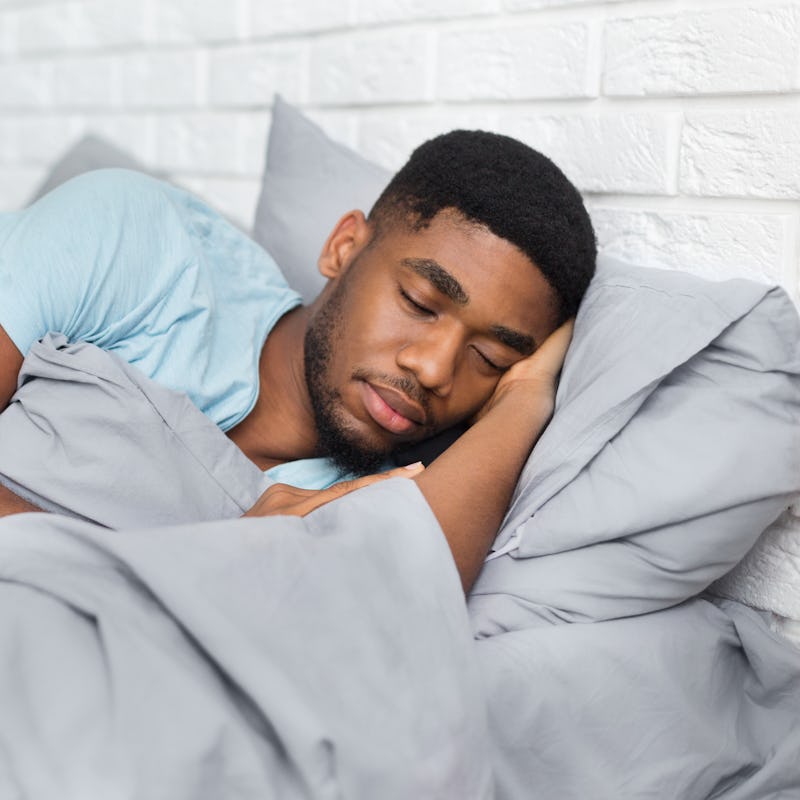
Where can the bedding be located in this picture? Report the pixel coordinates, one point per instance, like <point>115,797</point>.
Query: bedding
<point>279,653</point>
<point>324,657</point>
<point>309,182</point>
<point>153,644</point>
<point>676,444</point>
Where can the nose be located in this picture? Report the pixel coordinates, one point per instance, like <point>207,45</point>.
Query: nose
<point>432,358</point>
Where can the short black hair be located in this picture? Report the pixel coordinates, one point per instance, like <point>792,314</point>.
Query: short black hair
<point>519,194</point>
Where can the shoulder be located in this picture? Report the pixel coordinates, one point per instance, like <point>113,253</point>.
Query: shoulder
<point>109,183</point>
<point>99,201</point>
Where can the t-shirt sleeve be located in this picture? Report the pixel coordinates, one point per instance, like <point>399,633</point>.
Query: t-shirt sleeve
<point>80,259</point>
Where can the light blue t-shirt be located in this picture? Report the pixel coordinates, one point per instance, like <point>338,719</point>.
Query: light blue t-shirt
<point>146,270</point>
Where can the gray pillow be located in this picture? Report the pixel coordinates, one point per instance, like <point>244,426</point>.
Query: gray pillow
<point>89,153</point>
<point>308,183</point>
<point>675,444</point>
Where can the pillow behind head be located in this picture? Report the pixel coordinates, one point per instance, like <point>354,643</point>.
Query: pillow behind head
<point>674,445</point>
<point>309,182</point>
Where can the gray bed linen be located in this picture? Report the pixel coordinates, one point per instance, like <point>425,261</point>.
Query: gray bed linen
<point>256,657</point>
<point>696,702</point>
<point>325,657</point>
<point>675,443</point>
<point>90,436</point>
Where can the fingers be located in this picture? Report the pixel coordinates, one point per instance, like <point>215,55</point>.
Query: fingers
<point>554,348</point>
<point>317,499</point>
<point>548,359</point>
<point>290,500</point>
<point>410,471</point>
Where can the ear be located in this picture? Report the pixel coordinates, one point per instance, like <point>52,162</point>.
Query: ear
<point>347,238</point>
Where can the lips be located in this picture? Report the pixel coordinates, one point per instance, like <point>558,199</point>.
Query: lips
<point>390,408</point>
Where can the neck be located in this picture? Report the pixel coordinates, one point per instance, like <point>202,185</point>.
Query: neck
<point>281,425</point>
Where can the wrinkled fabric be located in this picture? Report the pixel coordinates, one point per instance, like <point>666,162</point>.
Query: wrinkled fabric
<point>331,656</point>
<point>324,657</point>
<point>675,443</point>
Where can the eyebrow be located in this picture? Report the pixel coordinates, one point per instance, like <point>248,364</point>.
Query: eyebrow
<point>442,280</point>
<point>520,342</point>
<point>449,286</point>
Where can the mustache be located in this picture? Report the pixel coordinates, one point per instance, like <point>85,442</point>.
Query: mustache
<point>404,384</point>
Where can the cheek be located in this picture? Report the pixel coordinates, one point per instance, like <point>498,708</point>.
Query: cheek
<point>470,392</point>
<point>371,331</point>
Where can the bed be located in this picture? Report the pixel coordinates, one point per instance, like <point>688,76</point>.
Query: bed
<point>155,645</point>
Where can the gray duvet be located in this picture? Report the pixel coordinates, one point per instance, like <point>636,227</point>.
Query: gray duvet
<point>153,645</point>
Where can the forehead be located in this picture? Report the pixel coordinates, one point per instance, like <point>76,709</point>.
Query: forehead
<point>503,286</point>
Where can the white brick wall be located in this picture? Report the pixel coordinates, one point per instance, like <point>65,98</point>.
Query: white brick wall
<point>678,119</point>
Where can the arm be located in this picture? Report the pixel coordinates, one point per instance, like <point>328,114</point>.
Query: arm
<point>12,504</point>
<point>469,486</point>
<point>10,363</point>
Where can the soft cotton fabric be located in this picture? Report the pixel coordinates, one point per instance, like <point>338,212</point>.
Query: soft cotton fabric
<point>149,272</point>
<point>259,659</point>
<point>675,444</point>
<point>309,182</point>
<point>330,656</point>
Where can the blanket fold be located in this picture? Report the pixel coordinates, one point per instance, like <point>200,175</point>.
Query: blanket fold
<point>675,443</point>
<point>188,653</point>
<point>324,657</point>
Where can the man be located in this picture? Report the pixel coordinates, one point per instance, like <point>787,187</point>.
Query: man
<point>476,252</point>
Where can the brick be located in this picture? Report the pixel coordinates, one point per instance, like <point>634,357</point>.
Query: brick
<point>161,79</point>
<point>202,142</point>
<point>196,21</point>
<point>389,137</point>
<point>530,5</point>
<point>254,130</point>
<point>514,63</point>
<point>17,185</point>
<point>86,82</point>
<point>99,24</point>
<point>375,68</point>
<point>233,198</point>
<point>9,36</point>
<point>713,244</point>
<point>8,140</point>
<point>25,84</point>
<point>44,28</point>
<point>381,11</point>
<point>272,19</point>
<point>753,154</point>
<point>89,24</point>
<point>40,138</point>
<point>251,75</point>
<point>619,153</point>
<point>131,132</point>
<point>719,51</point>
<point>341,126</point>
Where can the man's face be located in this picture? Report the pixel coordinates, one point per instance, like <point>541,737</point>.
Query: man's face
<point>414,332</point>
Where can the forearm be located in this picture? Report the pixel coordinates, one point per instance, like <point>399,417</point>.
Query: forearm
<point>470,485</point>
<point>11,503</point>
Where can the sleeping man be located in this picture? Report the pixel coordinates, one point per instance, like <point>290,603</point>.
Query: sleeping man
<point>448,304</point>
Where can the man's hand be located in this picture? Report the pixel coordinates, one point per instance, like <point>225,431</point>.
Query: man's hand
<point>12,504</point>
<point>10,363</point>
<point>469,486</point>
<point>282,499</point>
<point>536,375</point>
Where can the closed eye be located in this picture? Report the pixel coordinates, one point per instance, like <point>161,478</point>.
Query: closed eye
<point>418,307</point>
<point>490,363</point>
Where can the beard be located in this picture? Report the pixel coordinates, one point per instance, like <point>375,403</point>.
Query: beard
<point>335,438</point>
